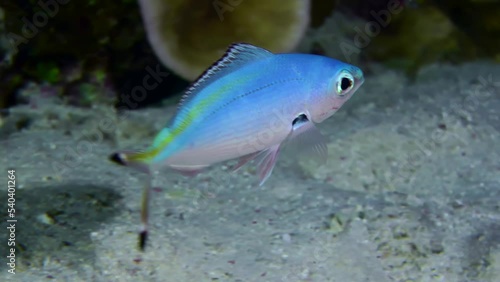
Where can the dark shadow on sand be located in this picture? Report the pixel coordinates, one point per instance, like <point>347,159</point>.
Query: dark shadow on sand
<point>55,222</point>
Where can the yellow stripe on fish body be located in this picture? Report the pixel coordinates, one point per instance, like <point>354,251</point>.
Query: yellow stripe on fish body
<point>166,136</point>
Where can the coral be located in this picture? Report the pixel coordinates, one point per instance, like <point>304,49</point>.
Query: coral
<point>478,20</point>
<point>407,35</point>
<point>68,86</point>
<point>74,29</point>
<point>55,43</point>
<point>320,11</point>
<point>416,37</point>
<point>188,36</point>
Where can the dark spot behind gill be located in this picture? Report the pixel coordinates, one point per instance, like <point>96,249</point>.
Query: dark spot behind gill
<point>300,119</point>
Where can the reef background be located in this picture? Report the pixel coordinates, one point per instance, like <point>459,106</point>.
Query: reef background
<point>410,192</point>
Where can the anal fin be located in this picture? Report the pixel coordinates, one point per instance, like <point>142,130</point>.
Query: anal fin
<point>244,160</point>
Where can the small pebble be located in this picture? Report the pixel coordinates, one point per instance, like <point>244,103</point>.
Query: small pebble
<point>287,238</point>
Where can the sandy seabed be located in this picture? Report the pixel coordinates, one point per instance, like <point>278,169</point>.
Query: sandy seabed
<point>411,192</point>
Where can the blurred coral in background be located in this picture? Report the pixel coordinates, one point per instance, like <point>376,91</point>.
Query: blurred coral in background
<point>190,35</point>
<point>408,34</point>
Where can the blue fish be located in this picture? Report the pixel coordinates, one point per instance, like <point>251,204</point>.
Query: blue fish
<point>247,106</point>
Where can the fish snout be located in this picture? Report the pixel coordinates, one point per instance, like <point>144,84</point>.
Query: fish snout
<point>359,78</point>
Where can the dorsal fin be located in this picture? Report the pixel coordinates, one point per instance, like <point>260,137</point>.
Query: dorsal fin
<point>236,56</point>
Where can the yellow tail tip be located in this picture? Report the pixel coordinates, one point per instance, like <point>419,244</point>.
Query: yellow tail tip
<point>131,159</point>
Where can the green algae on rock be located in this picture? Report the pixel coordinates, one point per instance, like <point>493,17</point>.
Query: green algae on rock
<point>416,37</point>
<point>478,20</point>
<point>47,41</point>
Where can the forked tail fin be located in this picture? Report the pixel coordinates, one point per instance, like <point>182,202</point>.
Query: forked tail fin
<point>141,161</point>
<point>136,160</point>
<point>131,159</point>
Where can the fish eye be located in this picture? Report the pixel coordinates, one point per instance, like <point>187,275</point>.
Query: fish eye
<point>344,84</point>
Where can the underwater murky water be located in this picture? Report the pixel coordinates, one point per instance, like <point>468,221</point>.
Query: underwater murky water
<point>410,190</point>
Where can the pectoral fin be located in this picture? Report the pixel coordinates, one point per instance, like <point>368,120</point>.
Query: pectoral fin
<point>306,140</point>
